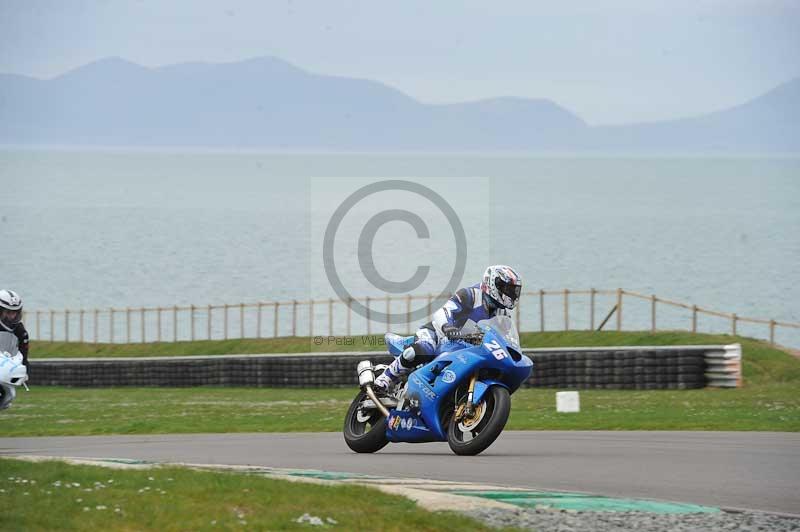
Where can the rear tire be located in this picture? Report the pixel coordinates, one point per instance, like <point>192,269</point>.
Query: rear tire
<point>477,438</point>
<point>366,436</point>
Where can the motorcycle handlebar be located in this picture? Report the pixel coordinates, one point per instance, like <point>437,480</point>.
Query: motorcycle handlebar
<point>471,338</point>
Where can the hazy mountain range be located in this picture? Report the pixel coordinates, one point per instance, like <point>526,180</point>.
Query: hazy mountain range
<point>268,103</point>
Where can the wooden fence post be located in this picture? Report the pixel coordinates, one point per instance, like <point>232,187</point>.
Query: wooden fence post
<point>127,325</point>
<point>66,325</point>
<point>38,326</point>
<point>258,320</point>
<point>311,318</point>
<point>94,326</point>
<point>653,301</point>
<point>330,317</point>
<point>734,318</point>
<point>80,335</point>
<point>592,293</point>
<point>208,322</point>
<point>111,325</point>
<point>294,318</point>
<point>408,312</point>
<point>566,309</point>
<point>241,320</point>
<point>158,324</point>
<point>141,323</point>
<point>191,320</point>
<point>541,310</point>
<point>694,318</point>
<point>275,320</point>
<point>619,309</point>
<point>349,313</point>
<point>772,332</point>
<point>225,322</point>
<point>369,326</point>
<point>175,323</point>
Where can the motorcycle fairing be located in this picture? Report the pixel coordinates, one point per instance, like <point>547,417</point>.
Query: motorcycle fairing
<point>12,372</point>
<point>430,385</point>
<point>404,426</point>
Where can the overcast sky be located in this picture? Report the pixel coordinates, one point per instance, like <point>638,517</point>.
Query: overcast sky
<point>628,61</point>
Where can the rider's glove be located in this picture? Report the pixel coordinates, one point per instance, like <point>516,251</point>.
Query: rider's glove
<point>449,331</point>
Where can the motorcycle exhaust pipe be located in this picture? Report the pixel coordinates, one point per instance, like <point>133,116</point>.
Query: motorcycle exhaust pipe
<point>366,376</point>
<point>378,404</point>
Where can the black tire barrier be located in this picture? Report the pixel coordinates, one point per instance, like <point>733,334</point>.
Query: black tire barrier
<point>650,368</point>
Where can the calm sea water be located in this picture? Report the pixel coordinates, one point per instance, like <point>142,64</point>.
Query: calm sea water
<point>100,229</point>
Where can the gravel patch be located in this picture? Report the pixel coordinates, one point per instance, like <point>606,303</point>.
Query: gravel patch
<point>550,520</point>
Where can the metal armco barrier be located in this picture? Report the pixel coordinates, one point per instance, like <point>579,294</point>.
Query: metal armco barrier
<point>639,368</point>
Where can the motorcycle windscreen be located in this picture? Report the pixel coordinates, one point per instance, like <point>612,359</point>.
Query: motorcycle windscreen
<point>504,326</point>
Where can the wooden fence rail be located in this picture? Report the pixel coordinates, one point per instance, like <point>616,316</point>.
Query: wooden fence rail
<point>293,317</point>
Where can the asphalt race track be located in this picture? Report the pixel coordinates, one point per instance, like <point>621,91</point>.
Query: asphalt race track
<point>753,470</point>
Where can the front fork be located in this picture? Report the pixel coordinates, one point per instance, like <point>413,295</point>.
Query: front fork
<point>469,409</point>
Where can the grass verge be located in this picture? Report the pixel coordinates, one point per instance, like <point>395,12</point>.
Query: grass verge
<point>768,400</point>
<point>55,411</point>
<point>57,496</point>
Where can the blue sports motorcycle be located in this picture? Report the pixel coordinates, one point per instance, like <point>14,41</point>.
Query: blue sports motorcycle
<point>463,396</point>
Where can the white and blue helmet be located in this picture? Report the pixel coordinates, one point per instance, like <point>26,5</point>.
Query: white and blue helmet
<point>502,285</point>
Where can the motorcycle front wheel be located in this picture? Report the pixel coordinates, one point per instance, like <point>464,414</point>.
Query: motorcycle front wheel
<point>364,431</point>
<point>471,435</point>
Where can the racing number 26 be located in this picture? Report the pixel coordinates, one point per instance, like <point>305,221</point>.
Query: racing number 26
<point>496,349</point>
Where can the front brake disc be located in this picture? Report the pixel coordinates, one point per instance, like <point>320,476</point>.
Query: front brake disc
<point>468,423</point>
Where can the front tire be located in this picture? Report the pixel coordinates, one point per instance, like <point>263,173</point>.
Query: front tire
<point>469,437</point>
<point>364,432</point>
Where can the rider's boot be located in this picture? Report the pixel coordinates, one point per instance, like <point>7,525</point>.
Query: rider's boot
<point>386,381</point>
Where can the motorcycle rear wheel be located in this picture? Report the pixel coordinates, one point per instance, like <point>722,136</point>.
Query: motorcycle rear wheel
<point>367,436</point>
<point>470,438</point>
